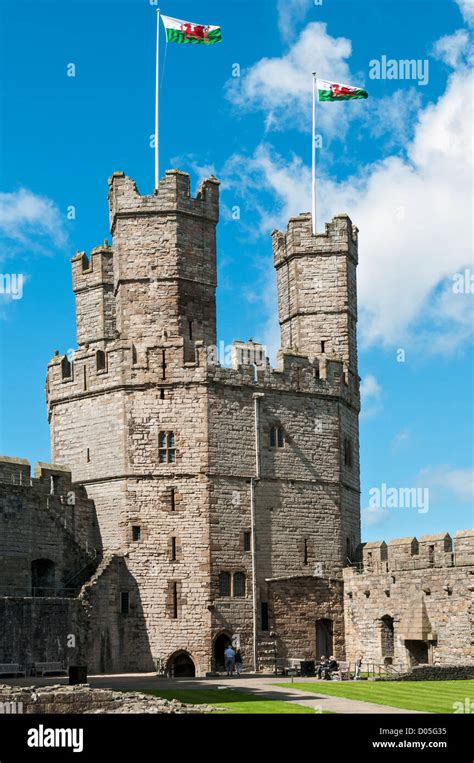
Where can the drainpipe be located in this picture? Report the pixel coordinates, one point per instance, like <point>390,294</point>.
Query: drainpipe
<point>253,483</point>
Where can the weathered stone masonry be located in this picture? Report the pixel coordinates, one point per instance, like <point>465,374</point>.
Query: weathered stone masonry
<point>169,448</point>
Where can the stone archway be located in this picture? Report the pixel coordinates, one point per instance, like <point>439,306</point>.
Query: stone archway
<point>221,642</point>
<point>181,665</point>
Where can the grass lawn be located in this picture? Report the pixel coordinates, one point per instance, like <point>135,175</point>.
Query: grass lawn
<point>231,700</point>
<point>427,696</point>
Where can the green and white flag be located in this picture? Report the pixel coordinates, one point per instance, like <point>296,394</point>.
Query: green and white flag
<point>334,91</point>
<point>188,32</point>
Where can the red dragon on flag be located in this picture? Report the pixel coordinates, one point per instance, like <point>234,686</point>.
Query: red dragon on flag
<point>196,31</point>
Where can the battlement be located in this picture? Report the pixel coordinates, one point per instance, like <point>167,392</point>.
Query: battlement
<point>340,237</point>
<point>172,195</point>
<point>431,551</point>
<point>124,364</point>
<point>52,479</point>
<point>93,271</point>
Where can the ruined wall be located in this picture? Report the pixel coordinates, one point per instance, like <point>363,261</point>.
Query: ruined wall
<point>41,519</point>
<point>426,589</point>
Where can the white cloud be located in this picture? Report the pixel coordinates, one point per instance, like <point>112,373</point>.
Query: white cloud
<point>371,393</point>
<point>372,516</point>
<point>413,215</point>
<point>453,49</point>
<point>467,9</point>
<point>459,482</point>
<point>400,438</point>
<point>290,13</point>
<point>29,222</point>
<point>282,87</point>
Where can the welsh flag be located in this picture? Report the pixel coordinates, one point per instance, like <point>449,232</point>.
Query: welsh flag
<point>334,91</point>
<point>188,32</point>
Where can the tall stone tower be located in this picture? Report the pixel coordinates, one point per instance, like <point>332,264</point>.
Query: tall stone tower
<point>317,294</point>
<point>227,498</point>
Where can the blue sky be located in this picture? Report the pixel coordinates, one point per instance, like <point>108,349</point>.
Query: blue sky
<point>398,163</point>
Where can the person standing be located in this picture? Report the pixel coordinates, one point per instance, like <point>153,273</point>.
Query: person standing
<point>358,666</point>
<point>229,659</point>
<point>238,662</point>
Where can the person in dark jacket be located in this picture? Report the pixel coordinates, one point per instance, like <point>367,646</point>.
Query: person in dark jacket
<point>238,662</point>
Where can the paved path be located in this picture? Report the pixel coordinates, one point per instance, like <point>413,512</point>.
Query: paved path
<point>260,686</point>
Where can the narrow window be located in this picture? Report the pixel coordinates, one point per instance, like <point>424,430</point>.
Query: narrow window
<point>100,360</point>
<point>273,437</point>
<point>348,549</point>
<point>280,440</point>
<point>136,533</point>
<point>172,499</point>
<point>224,584</point>
<point>431,550</point>
<point>190,326</point>
<point>163,364</point>
<point>88,455</point>
<point>162,394</point>
<point>134,355</point>
<point>305,552</point>
<point>323,346</point>
<point>173,549</point>
<point>247,541</point>
<point>277,437</point>
<point>166,448</point>
<point>84,377</point>
<point>174,605</point>
<point>53,485</point>
<point>124,602</point>
<point>239,584</point>
<point>264,615</point>
<point>66,368</point>
<point>347,447</point>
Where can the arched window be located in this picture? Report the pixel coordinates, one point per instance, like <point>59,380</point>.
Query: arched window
<point>224,584</point>
<point>277,437</point>
<point>166,448</point>
<point>387,636</point>
<point>239,584</point>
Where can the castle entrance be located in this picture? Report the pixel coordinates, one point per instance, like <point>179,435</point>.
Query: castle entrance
<point>324,638</point>
<point>220,645</point>
<point>181,665</point>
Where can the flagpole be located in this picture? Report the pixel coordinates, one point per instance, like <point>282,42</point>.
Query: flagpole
<point>313,137</point>
<point>157,100</point>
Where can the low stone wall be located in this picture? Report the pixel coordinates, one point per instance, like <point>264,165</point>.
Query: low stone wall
<point>434,673</point>
<point>82,699</point>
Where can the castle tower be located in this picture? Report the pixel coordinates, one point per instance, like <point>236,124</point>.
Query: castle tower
<point>317,297</point>
<point>187,461</point>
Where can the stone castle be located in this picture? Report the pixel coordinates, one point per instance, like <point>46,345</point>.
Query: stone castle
<point>197,503</point>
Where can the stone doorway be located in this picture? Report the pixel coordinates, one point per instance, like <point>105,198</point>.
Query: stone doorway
<point>181,665</point>
<point>220,645</point>
<point>324,638</point>
<point>418,652</point>
<point>43,577</point>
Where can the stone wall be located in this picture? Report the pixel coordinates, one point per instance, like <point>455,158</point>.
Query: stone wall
<point>81,699</point>
<point>422,591</point>
<point>40,630</point>
<point>298,605</point>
